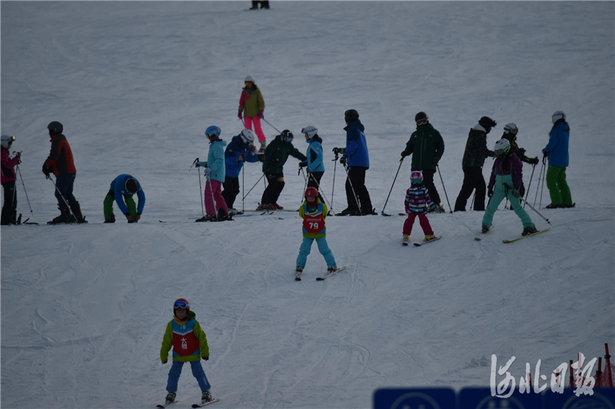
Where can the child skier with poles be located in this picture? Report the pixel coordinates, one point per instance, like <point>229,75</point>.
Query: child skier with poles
<point>185,335</point>
<point>215,172</point>
<point>313,212</point>
<point>418,203</point>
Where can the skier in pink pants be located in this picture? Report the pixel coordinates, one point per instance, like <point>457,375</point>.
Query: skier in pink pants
<point>215,172</point>
<point>252,105</point>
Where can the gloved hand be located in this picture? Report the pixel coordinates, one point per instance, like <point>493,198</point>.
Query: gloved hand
<point>239,115</point>
<point>533,161</point>
<point>241,158</point>
<point>490,191</point>
<point>138,216</point>
<point>545,154</point>
<point>260,115</point>
<point>338,150</point>
<point>197,164</point>
<point>344,159</point>
<point>404,154</point>
<point>435,160</point>
<point>47,170</point>
<point>519,191</point>
<point>129,218</point>
<point>206,358</point>
<point>207,171</point>
<point>302,164</point>
<point>261,158</point>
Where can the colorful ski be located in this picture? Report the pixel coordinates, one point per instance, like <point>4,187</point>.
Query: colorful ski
<point>331,273</point>
<point>525,237</point>
<point>427,241</point>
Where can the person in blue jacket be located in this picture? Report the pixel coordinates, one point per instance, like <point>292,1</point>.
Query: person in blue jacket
<point>314,162</point>
<point>241,149</point>
<point>557,152</point>
<point>356,157</point>
<point>215,173</point>
<point>121,191</point>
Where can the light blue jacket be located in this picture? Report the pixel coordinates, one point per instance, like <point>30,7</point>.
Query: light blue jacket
<point>314,155</point>
<point>119,189</point>
<point>557,148</point>
<point>215,161</point>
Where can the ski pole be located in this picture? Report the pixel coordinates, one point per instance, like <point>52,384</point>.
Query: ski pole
<point>527,193</point>
<point>272,125</point>
<point>352,188</point>
<point>544,177</point>
<point>444,187</point>
<point>539,180</point>
<point>200,188</point>
<point>508,188</point>
<point>24,188</point>
<point>62,196</point>
<point>321,192</point>
<point>401,161</point>
<point>304,185</point>
<point>246,195</point>
<point>333,188</point>
<point>243,184</point>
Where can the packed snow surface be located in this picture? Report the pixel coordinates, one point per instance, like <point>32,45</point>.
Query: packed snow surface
<point>84,307</point>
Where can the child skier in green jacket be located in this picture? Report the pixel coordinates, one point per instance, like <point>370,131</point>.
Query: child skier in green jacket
<point>185,335</point>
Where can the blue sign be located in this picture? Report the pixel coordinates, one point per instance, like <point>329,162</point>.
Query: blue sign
<point>480,398</point>
<point>414,398</point>
<point>602,398</point>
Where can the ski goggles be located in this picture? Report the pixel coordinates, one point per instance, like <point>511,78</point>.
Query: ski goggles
<point>11,139</point>
<point>249,83</point>
<point>180,304</point>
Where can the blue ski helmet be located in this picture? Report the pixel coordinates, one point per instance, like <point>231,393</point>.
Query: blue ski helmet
<point>213,132</point>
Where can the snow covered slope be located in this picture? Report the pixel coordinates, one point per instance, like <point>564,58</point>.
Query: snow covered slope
<point>136,83</point>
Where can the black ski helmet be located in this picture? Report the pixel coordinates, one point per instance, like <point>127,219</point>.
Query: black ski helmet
<point>487,123</point>
<point>351,115</point>
<point>421,116</point>
<point>55,127</point>
<point>131,185</point>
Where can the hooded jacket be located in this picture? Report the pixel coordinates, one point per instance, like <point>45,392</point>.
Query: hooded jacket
<point>557,148</point>
<point>8,165</point>
<point>476,148</point>
<point>356,145</point>
<point>215,161</point>
<point>187,339</point>
<point>276,155</point>
<point>60,157</point>
<point>119,190</point>
<point>314,155</point>
<point>425,143</point>
<point>251,102</point>
<point>233,151</point>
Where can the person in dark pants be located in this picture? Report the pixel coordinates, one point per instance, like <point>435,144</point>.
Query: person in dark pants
<point>240,150</point>
<point>60,162</point>
<point>356,157</point>
<point>264,4</point>
<point>9,209</point>
<point>276,155</point>
<point>472,164</point>
<point>426,147</point>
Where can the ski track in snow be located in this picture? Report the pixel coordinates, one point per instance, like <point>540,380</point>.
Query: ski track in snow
<point>84,307</point>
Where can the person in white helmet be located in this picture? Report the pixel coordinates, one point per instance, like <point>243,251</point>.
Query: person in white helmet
<point>9,209</point>
<point>252,107</point>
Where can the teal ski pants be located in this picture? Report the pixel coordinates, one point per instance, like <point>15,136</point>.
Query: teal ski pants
<point>500,191</point>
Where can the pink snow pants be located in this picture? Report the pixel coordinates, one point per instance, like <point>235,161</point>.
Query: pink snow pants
<point>422,219</point>
<point>254,123</point>
<point>213,193</point>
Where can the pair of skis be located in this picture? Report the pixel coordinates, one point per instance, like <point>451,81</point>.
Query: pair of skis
<point>419,244</point>
<point>196,405</point>
<point>329,274</point>
<point>482,236</point>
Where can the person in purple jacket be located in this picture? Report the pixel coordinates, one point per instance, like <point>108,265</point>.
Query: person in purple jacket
<point>506,181</point>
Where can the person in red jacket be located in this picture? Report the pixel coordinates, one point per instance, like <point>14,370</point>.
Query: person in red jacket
<point>60,162</point>
<point>9,209</point>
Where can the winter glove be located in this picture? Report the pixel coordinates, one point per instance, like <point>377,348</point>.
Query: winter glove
<point>197,164</point>
<point>545,154</point>
<point>533,161</point>
<point>206,358</point>
<point>338,150</point>
<point>522,190</point>
<point>138,216</point>
<point>261,158</point>
<point>302,164</point>
<point>435,160</point>
<point>490,191</point>
<point>207,171</point>
<point>343,160</point>
<point>260,115</point>
<point>47,170</point>
<point>129,218</point>
<point>404,154</point>
<point>239,115</point>
<point>241,158</point>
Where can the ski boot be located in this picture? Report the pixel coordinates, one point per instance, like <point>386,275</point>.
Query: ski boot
<point>484,229</point>
<point>429,237</point>
<point>405,240</point>
<point>170,398</point>
<point>206,397</point>
<point>331,269</point>
<point>222,216</point>
<point>64,217</point>
<point>76,209</point>
<point>529,230</point>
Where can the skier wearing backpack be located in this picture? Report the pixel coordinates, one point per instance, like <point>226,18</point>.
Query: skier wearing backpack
<point>417,203</point>
<point>276,155</point>
<point>426,147</point>
<point>557,152</point>
<point>189,343</point>
<point>241,149</point>
<point>314,162</point>
<point>215,172</point>
<point>9,209</point>
<point>506,181</point>
<point>252,105</point>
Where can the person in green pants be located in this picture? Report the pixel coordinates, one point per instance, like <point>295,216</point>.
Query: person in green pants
<point>557,152</point>
<point>506,181</point>
<point>121,190</point>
